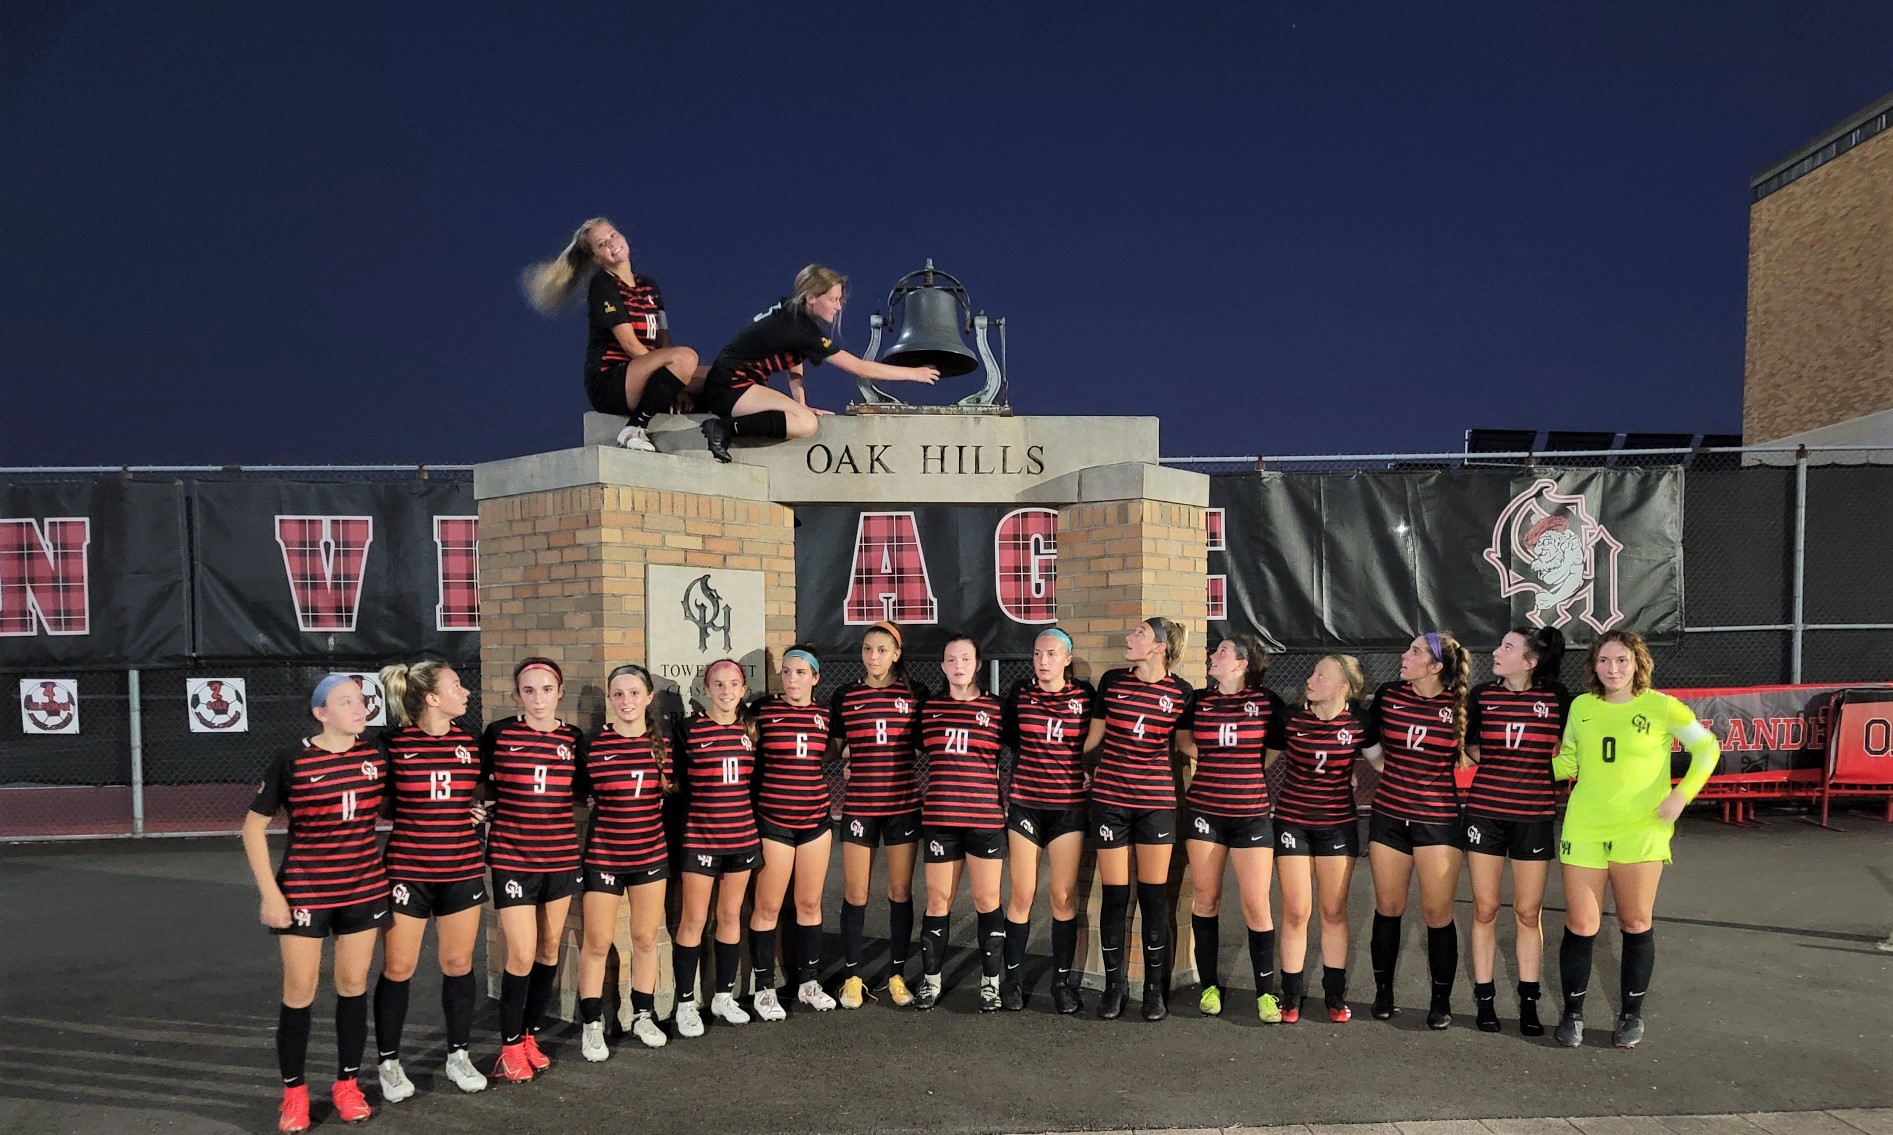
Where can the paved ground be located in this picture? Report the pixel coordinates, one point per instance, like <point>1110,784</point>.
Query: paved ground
<point>138,994</point>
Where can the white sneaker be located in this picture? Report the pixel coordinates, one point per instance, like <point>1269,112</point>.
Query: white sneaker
<point>634,437</point>
<point>815,997</point>
<point>461,1071</point>
<point>768,1007</point>
<point>591,1042</point>
<point>688,1019</point>
<point>724,1008</point>
<point>645,1028</point>
<point>395,1085</point>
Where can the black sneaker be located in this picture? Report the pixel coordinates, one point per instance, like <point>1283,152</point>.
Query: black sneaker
<point>989,998</point>
<point>925,994</point>
<point>1065,999</point>
<point>1383,1004</point>
<point>1528,1022</point>
<point>1570,1031</point>
<point>1439,1015</point>
<point>1628,1032</point>
<point>1011,996</point>
<point>717,434</point>
<point>1156,1005</point>
<point>1487,1015</point>
<point>1111,1003</point>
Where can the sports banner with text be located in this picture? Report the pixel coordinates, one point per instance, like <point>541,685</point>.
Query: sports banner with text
<point>1764,730</point>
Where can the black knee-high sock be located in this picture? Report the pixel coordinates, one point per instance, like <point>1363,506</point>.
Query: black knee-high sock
<point>1262,960</point>
<point>456,1009</point>
<point>1294,988</point>
<point>1207,930</point>
<point>1064,947</point>
<point>769,423</point>
<point>642,1002</point>
<point>1017,935</point>
<point>1334,984</point>
<point>933,942</point>
<point>292,1044</point>
<point>351,1034</point>
<point>660,393</point>
<point>1639,961</point>
<point>762,958</point>
<point>854,920</point>
<point>591,1010</point>
<point>513,1007</point>
<point>727,956</point>
<point>1384,949</point>
<point>1153,902</point>
<point>900,932</point>
<point>1115,906</point>
<point>992,941</point>
<point>539,987</point>
<point>684,961</point>
<point>1442,958</point>
<point>391,1015</point>
<point>808,951</point>
<point>1574,968</point>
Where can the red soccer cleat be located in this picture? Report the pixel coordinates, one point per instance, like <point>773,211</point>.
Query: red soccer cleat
<point>350,1105</point>
<point>539,1060</point>
<point>293,1113</point>
<point>513,1065</point>
<point>1339,1014</point>
<point>1291,1012</point>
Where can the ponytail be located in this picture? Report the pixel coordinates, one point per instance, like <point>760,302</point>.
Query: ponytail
<point>1172,634</point>
<point>1455,675</point>
<point>550,284</point>
<point>1546,647</point>
<point>407,688</point>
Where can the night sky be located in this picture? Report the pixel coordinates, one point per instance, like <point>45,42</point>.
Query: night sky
<point>263,233</point>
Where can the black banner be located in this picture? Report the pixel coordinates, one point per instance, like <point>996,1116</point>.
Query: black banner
<point>291,569</point>
<point>93,573</point>
<point>1365,561</point>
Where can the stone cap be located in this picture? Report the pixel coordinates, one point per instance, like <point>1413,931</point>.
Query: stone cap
<point>1129,480</point>
<point>594,465</point>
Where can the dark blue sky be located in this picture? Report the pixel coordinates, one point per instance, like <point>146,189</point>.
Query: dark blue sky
<point>257,233</point>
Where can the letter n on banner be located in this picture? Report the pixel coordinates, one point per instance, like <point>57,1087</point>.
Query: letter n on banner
<point>889,580</point>
<point>1025,558</point>
<point>457,550</point>
<point>325,557</point>
<point>43,574</point>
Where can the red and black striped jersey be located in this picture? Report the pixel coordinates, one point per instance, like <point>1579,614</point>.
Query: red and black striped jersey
<point>610,302</point>
<point>1232,733</point>
<point>333,801</point>
<point>962,740</point>
<point>1318,788</point>
<point>536,778</point>
<point>718,763</point>
<point>877,725</point>
<point>1421,743</point>
<point>435,839</point>
<point>1046,732</point>
<point>792,788</point>
<point>1518,732</point>
<point>1134,758</point>
<point>626,832</point>
<point>774,341</point>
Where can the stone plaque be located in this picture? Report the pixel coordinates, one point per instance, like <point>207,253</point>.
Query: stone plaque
<point>695,616</point>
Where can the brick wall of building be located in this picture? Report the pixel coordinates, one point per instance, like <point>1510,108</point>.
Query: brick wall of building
<point>1120,561</point>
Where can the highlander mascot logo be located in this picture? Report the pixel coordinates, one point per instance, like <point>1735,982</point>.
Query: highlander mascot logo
<point>1569,559</point>
<point>705,610</point>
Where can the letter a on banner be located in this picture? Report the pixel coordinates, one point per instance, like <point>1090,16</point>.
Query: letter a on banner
<point>325,557</point>
<point>457,548</point>
<point>1025,556</point>
<point>43,573</point>
<point>889,580</point>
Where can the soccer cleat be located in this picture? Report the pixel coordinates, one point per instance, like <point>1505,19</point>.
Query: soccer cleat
<point>852,991</point>
<point>1065,999</point>
<point>634,437</point>
<point>724,1008</point>
<point>644,1026</point>
<point>1210,1003</point>
<point>350,1105</point>
<point>1383,1003</point>
<point>1487,1016</point>
<point>897,991</point>
<point>539,1060</point>
<point>1291,1011</point>
<point>1570,1031</point>
<point>1439,1015</point>
<point>688,1019</point>
<point>814,996</point>
<point>1269,1009</point>
<point>1629,1031</point>
<point>768,1007</point>
<point>1528,1022</point>
<point>928,994</point>
<point>1338,1012</point>
<point>395,1085</point>
<point>1156,1006</point>
<point>512,1066</point>
<point>1111,1002</point>
<point>591,1042</point>
<point>990,999</point>
<point>461,1071</point>
<point>292,1114</point>
<point>1011,995</point>
<point>717,434</point>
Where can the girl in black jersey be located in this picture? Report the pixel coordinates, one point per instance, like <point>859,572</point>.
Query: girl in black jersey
<point>792,812</point>
<point>1226,734</point>
<point>435,865</point>
<point>1047,719</point>
<point>1317,830</point>
<point>1514,724</point>
<point>1416,826</point>
<point>330,882</point>
<point>965,822</point>
<point>628,767</point>
<point>798,330</point>
<point>631,367</point>
<point>720,843</point>
<point>1134,801</point>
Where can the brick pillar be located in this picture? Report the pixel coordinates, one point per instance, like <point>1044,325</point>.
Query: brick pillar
<point>1134,545</point>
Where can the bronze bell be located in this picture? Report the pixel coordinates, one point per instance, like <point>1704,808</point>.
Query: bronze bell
<point>931,322</point>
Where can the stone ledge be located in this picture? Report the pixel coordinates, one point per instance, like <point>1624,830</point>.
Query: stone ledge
<point>1130,480</point>
<point>594,465</point>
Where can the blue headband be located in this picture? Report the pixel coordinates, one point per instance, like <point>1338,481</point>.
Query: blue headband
<point>324,688</point>
<point>1060,636</point>
<point>814,663</point>
<point>1432,644</point>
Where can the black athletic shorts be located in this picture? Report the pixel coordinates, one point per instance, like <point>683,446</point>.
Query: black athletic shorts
<point>1510,839</point>
<point>713,863</point>
<point>881,831</point>
<point>720,398</point>
<point>422,899</point>
<point>1233,831</point>
<point>1121,827</point>
<point>336,920</point>
<point>1405,835</point>
<point>604,388</point>
<point>1338,839</point>
<point>613,882</point>
<point>1043,825</point>
<point>950,845</point>
<point>532,888</point>
<point>794,837</point>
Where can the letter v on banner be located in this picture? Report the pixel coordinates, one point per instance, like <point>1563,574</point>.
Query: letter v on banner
<point>889,579</point>
<point>43,576</point>
<point>325,557</point>
<point>457,554</point>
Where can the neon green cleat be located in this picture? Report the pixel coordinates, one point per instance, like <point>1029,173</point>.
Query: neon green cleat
<point>1269,1009</point>
<point>1211,1003</point>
